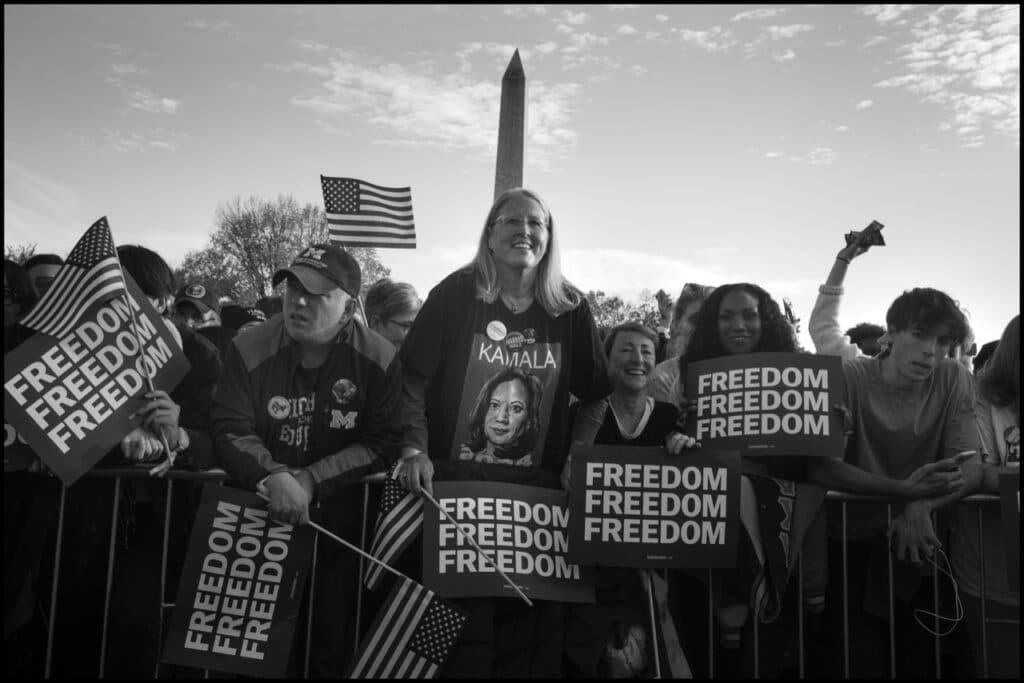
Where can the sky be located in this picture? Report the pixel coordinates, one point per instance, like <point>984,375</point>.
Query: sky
<point>673,144</point>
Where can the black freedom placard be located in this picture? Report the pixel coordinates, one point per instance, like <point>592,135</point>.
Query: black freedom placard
<point>1009,501</point>
<point>73,399</point>
<point>768,404</point>
<point>241,587</point>
<point>522,528</point>
<point>640,507</point>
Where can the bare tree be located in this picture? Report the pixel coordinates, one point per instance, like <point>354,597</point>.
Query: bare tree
<point>19,253</point>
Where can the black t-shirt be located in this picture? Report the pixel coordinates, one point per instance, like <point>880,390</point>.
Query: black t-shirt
<point>498,383</point>
<point>659,424</point>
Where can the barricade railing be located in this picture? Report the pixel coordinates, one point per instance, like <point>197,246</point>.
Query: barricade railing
<point>369,517</point>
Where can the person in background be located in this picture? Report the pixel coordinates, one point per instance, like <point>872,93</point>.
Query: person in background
<point>241,318</point>
<point>42,269</point>
<point>984,355</point>
<point>665,382</point>
<point>512,298</point>
<point>997,409</point>
<point>270,305</point>
<point>866,336</point>
<point>195,306</point>
<point>19,298</point>
<point>391,308</point>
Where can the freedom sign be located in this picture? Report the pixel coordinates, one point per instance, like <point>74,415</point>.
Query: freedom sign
<point>768,404</point>
<point>241,587</point>
<point>523,529</point>
<point>72,399</point>
<point>1009,501</point>
<point>640,507</point>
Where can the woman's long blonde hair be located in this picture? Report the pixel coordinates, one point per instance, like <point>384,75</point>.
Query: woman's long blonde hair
<point>555,294</point>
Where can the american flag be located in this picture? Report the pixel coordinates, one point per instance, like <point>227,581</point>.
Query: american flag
<point>360,214</point>
<point>411,636</point>
<point>90,275</point>
<point>400,519</point>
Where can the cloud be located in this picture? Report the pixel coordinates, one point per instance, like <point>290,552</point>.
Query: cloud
<point>772,155</point>
<point>785,32</point>
<point>547,47</point>
<point>144,100</point>
<point>819,156</point>
<point>614,271</point>
<point>575,18</point>
<point>219,27</point>
<point>627,30</point>
<point>715,39</point>
<point>841,128</point>
<point>758,14</point>
<point>661,17</point>
<point>523,11</point>
<point>865,104</point>
<point>966,61</point>
<point>128,70</point>
<point>783,56</point>
<point>450,110</point>
<point>617,8</point>
<point>39,210</point>
<point>637,70</point>
<point>158,139</point>
<point>885,14</point>
<point>872,41</point>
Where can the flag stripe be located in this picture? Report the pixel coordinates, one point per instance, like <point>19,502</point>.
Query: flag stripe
<point>355,207</point>
<point>380,230</point>
<point>393,534</point>
<point>73,306</point>
<point>392,203</point>
<point>60,329</point>
<point>365,218</point>
<point>379,188</point>
<point>395,630</point>
<point>375,244</point>
<point>77,287</point>
<point>65,282</point>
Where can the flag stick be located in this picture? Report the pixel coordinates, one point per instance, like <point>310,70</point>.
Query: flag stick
<point>348,545</point>
<point>654,624</point>
<point>469,539</point>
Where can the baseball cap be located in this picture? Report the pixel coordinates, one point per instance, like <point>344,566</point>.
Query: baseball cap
<point>198,295</point>
<point>322,267</point>
<point>234,316</point>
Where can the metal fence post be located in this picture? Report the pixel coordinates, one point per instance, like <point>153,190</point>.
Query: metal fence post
<point>110,573</point>
<point>55,583</point>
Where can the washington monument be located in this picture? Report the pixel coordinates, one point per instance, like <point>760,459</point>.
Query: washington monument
<point>511,128</point>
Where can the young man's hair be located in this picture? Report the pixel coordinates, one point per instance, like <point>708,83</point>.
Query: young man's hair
<point>43,260</point>
<point>927,308</point>
<point>149,270</point>
<point>862,331</point>
<point>631,326</point>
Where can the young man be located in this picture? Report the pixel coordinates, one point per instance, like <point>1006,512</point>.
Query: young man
<point>195,306</point>
<point>308,404</point>
<point>912,436</point>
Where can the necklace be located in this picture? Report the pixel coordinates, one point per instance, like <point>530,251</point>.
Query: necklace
<point>518,304</point>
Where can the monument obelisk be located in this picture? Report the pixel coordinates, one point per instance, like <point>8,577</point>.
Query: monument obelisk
<point>511,128</point>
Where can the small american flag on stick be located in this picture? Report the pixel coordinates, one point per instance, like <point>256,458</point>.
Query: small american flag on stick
<point>411,636</point>
<point>400,519</point>
<point>360,214</point>
<point>91,275</point>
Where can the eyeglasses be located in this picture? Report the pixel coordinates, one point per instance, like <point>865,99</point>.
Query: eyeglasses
<point>531,222</point>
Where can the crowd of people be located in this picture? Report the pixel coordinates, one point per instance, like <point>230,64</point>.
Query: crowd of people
<point>494,377</point>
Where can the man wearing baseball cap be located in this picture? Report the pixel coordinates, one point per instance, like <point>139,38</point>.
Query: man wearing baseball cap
<point>308,404</point>
<point>196,306</point>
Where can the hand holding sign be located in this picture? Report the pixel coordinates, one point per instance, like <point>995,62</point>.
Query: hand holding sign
<point>140,445</point>
<point>675,443</point>
<point>289,499</point>
<point>859,241</point>
<point>160,414</point>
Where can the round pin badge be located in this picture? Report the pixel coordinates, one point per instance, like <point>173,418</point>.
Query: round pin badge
<point>278,408</point>
<point>496,330</point>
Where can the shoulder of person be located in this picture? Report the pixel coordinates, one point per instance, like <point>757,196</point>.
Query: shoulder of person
<point>369,344</point>
<point>261,342</point>
<point>462,279</point>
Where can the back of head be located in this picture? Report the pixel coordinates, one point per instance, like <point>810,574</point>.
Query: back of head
<point>386,299</point>
<point>984,355</point>
<point>43,260</point>
<point>928,309</point>
<point>18,292</point>
<point>999,382</point>
<point>150,272</point>
<point>776,332</point>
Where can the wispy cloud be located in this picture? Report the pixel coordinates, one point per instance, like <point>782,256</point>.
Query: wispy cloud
<point>885,14</point>
<point>37,207</point>
<point>783,56</point>
<point>872,41</point>
<point>841,128</point>
<point>626,30</point>
<point>614,271</point>
<point>523,11</point>
<point>617,8</point>
<point>714,39</point>
<point>865,104</point>
<point>449,110</point>
<point>661,17</point>
<point>159,139</point>
<point>759,14</point>
<point>144,100</point>
<point>966,60</point>
<point>785,32</point>
<point>575,18</point>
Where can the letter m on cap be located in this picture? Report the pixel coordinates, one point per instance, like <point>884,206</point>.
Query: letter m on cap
<point>314,253</point>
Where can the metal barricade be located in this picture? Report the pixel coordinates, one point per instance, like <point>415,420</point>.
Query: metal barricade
<point>832,499</point>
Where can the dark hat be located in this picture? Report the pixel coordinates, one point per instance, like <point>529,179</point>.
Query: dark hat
<point>234,316</point>
<point>198,295</point>
<point>322,267</point>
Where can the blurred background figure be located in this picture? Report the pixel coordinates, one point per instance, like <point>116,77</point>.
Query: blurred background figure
<point>865,336</point>
<point>270,305</point>
<point>42,269</point>
<point>19,298</point>
<point>391,308</point>
<point>984,355</point>
<point>241,318</point>
<point>665,385</point>
<point>195,306</point>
